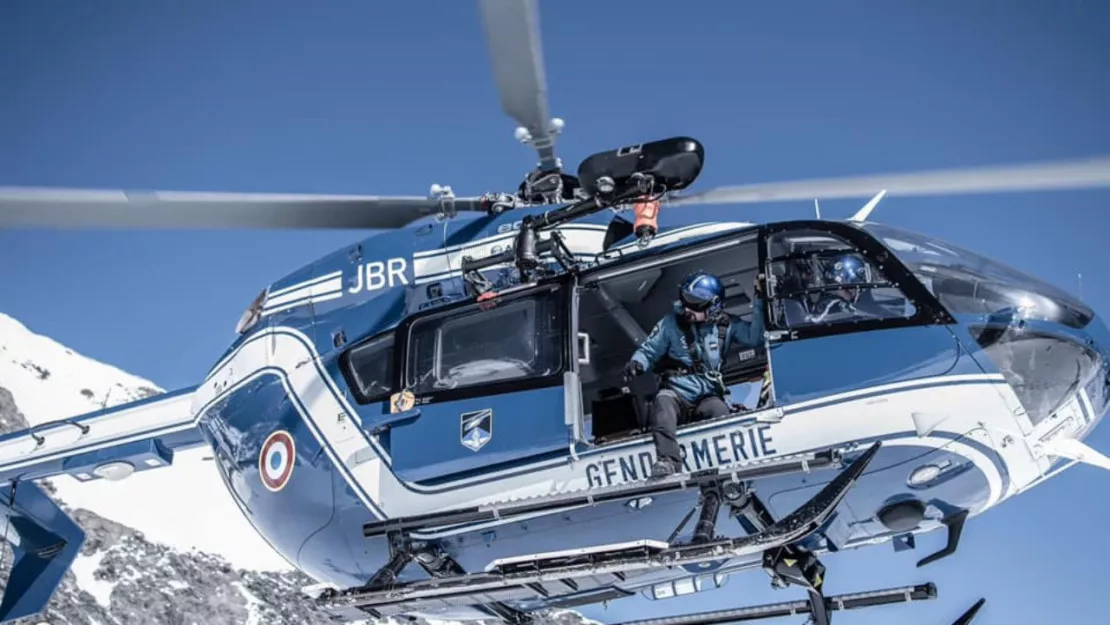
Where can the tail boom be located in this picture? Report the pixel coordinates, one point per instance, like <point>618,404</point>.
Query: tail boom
<point>110,443</point>
<point>107,444</point>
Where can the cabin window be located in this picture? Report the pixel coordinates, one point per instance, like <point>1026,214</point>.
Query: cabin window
<point>253,314</point>
<point>517,340</point>
<point>370,367</point>
<point>822,280</point>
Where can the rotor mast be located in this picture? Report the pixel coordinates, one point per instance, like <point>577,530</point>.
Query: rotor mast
<point>516,54</point>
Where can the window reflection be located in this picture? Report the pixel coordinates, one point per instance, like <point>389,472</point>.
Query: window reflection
<point>1098,391</point>
<point>1044,371</point>
<point>513,341</point>
<point>966,282</point>
<point>820,279</point>
<point>371,366</point>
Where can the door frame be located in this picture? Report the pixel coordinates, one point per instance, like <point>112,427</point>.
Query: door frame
<point>927,308</point>
<point>573,410</point>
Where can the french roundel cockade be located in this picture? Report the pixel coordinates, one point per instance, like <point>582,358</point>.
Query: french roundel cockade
<point>275,461</point>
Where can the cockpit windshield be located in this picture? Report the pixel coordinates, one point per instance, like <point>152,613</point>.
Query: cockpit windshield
<point>1043,368</point>
<point>966,282</point>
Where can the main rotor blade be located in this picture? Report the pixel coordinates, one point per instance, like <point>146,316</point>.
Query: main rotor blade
<point>1087,173</point>
<point>513,37</point>
<point>101,208</point>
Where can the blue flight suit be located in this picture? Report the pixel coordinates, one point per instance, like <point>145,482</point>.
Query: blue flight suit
<point>692,391</point>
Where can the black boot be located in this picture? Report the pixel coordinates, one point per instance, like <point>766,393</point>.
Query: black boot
<point>664,467</point>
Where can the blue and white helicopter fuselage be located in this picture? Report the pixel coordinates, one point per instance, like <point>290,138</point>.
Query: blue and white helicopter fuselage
<point>370,387</point>
<point>435,421</point>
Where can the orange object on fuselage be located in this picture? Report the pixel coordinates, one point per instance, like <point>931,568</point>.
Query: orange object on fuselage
<point>647,218</point>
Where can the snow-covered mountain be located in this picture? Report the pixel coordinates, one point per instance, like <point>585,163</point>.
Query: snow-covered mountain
<point>185,506</point>
<point>165,546</point>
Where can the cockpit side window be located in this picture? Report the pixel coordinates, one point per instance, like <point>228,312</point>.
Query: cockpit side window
<point>253,314</point>
<point>369,368</point>
<point>1045,371</point>
<point>820,279</point>
<point>517,340</point>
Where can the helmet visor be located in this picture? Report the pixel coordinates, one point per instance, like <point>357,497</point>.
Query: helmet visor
<point>696,301</point>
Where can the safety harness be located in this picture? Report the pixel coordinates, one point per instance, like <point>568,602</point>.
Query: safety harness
<point>700,366</point>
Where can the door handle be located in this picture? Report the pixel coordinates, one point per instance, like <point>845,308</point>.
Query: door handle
<point>394,420</point>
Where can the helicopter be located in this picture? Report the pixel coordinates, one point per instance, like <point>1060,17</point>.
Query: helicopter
<point>434,421</point>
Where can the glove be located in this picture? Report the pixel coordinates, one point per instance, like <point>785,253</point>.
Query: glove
<point>760,287</point>
<point>633,369</point>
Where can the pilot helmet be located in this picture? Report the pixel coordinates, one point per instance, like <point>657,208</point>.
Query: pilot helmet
<point>846,270</point>
<point>701,293</point>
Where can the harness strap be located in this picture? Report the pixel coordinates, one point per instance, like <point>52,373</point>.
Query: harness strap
<point>694,347</point>
<point>722,336</point>
<point>765,389</point>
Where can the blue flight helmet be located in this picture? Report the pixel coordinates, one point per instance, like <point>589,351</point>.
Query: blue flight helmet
<point>847,270</point>
<point>701,292</point>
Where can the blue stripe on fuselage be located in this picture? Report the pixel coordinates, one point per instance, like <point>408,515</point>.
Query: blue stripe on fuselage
<point>530,467</point>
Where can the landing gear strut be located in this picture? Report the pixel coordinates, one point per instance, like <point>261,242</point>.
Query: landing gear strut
<point>706,529</point>
<point>400,555</point>
<point>584,576</point>
<point>789,565</point>
<point>437,563</point>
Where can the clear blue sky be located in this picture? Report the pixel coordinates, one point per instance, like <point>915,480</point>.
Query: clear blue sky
<point>386,98</point>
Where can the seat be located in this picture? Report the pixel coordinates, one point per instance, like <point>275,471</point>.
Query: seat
<point>616,412</point>
<point>795,313</point>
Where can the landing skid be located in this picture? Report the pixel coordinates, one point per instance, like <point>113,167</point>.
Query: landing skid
<point>583,576</point>
<point>850,601</point>
<point>794,565</point>
<point>551,575</point>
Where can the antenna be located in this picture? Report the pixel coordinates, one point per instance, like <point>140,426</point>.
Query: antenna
<point>1080,276</point>
<point>817,207</point>
<point>863,213</point>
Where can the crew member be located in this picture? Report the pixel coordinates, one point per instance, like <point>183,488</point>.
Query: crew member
<point>847,299</point>
<point>690,345</point>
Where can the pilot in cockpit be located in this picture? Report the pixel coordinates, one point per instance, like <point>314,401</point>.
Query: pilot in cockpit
<point>840,300</point>
<point>847,300</point>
